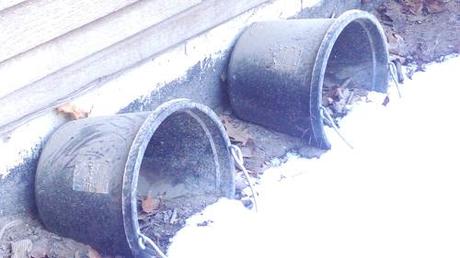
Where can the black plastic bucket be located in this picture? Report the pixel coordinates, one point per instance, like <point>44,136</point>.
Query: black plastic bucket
<point>88,172</point>
<point>277,69</point>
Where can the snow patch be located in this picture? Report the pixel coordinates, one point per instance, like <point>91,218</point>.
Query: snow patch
<point>396,194</point>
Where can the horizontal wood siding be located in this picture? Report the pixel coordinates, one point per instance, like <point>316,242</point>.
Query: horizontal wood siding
<point>74,75</point>
<point>9,3</point>
<point>79,44</point>
<point>37,21</point>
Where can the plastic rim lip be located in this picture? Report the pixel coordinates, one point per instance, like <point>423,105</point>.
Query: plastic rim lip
<point>322,58</point>
<point>135,157</point>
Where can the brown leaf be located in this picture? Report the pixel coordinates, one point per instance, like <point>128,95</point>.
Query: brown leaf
<point>150,204</point>
<point>435,6</point>
<point>413,6</point>
<point>72,111</point>
<point>93,253</point>
<point>235,131</point>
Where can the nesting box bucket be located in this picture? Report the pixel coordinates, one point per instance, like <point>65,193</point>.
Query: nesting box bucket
<point>277,69</point>
<point>91,171</point>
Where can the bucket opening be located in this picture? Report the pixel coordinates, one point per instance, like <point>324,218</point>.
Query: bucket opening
<point>357,64</point>
<point>181,173</point>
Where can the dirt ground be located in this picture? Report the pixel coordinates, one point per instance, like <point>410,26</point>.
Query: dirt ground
<point>421,31</point>
<point>418,32</point>
<point>25,237</point>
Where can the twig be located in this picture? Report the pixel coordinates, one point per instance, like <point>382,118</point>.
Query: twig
<point>345,83</point>
<point>393,73</point>
<point>333,14</point>
<point>326,116</point>
<point>173,218</point>
<point>399,71</point>
<point>350,97</point>
<point>144,239</point>
<point>238,157</point>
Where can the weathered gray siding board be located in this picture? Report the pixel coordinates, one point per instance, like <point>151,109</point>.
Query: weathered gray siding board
<point>9,3</point>
<point>37,21</point>
<point>72,80</point>
<point>76,45</point>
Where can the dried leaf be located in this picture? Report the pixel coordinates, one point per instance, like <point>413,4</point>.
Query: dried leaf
<point>413,6</point>
<point>394,38</point>
<point>40,249</point>
<point>93,253</point>
<point>150,204</point>
<point>21,248</point>
<point>72,111</point>
<point>9,225</point>
<point>395,42</point>
<point>435,6</point>
<point>235,131</point>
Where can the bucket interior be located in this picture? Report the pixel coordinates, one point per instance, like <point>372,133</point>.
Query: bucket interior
<point>357,64</point>
<point>184,169</point>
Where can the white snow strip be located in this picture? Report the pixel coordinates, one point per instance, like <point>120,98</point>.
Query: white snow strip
<point>397,194</point>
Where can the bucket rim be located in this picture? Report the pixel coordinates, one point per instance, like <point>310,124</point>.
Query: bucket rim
<point>135,158</point>
<point>322,58</point>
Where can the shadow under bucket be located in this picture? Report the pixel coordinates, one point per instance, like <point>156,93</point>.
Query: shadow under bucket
<point>94,173</point>
<point>277,69</point>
